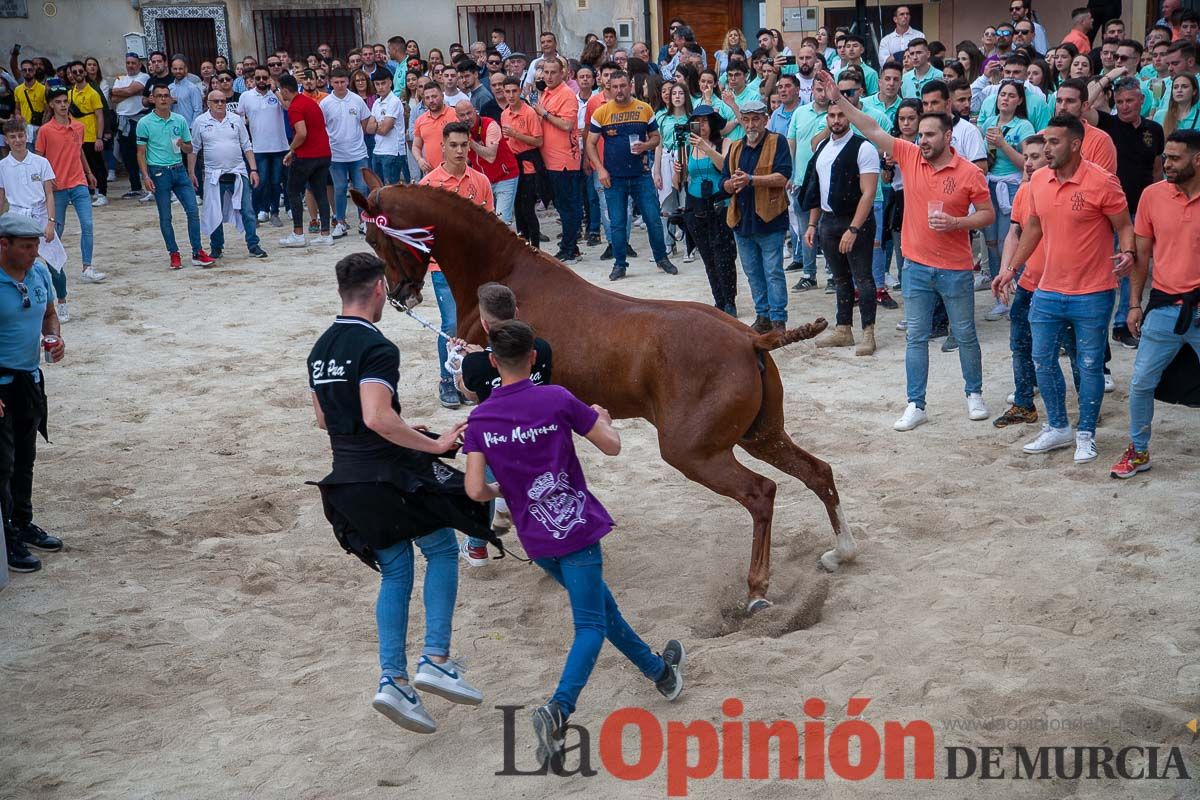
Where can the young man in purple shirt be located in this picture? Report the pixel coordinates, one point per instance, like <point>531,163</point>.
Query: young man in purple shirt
<point>524,433</point>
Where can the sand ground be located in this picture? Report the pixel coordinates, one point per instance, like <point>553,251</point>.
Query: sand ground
<point>203,636</point>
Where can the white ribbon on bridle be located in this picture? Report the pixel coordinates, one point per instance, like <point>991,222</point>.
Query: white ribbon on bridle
<point>416,238</point>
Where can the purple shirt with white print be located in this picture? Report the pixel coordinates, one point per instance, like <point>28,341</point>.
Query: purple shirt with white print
<point>525,433</point>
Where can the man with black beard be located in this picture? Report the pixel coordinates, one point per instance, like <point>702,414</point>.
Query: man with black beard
<point>806,66</point>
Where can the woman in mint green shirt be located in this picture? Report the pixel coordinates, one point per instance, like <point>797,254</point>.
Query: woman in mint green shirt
<point>1009,128</point>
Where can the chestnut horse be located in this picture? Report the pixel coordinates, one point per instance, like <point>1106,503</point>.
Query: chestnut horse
<point>705,380</point>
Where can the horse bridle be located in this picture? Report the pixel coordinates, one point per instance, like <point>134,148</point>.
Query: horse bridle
<point>393,293</point>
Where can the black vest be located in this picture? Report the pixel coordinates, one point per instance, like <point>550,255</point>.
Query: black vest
<point>844,188</point>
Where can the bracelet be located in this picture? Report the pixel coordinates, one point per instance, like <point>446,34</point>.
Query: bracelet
<point>1132,253</point>
<point>811,225</point>
<point>254,170</point>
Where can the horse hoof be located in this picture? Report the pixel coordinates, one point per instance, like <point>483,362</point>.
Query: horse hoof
<point>757,604</point>
<point>829,561</point>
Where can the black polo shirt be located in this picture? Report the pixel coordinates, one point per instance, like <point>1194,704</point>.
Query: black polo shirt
<point>1137,150</point>
<point>480,377</point>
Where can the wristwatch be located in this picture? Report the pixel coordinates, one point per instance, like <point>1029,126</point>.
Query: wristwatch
<point>854,229</point>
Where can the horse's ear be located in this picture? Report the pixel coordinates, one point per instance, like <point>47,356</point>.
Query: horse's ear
<point>371,178</point>
<point>358,198</point>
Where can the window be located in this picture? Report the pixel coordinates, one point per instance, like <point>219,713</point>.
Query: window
<point>299,32</point>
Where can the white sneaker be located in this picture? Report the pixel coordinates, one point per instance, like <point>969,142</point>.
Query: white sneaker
<point>146,197</point>
<point>322,241</point>
<point>913,417</point>
<point>294,240</point>
<point>890,281</point>
<point>100,200</point>
<point>64,313</point>
<point>1085,447</point>
<point>976,409</point>
<point>339,230</point>
<point>1012,397</point>
<point>1109,383</point>
<point>362,229</point>
<point>1050,439</point>
<point>902,325</point>
<point>263,216</point>
<point>983,281</point>
<point>403,706</point>
<point>90,275</point>
<point>472,555</point>
<point>446,680</point>
<point>998,312</point>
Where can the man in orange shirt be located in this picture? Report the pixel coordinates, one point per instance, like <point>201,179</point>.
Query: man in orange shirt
<point>558,107</point>
<point>1074,209</point>
<point>940,188</point>
<point>522,128</point>
<point>1098,148</point>
<point>1080,34</point>
<point>1167,229</point>
<point>454,175</point>
<point>429,127</point>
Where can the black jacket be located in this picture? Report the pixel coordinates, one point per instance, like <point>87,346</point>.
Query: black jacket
<point>844,188</point>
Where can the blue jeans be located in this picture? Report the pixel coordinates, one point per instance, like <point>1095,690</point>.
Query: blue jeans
<point>592,205</point>
<point>596,617</point>
<point>1122,304</point>
<point>343,173</point>
<point>878,256</point>
<point>923,285</point>
<point>568,201</point>
<point>1049,314</point>
<point>249,222</point>
<point>645,201</point>
<point>175,180</point>
<point>449,312</point>
<point>504,195</point>
<point>270,182</point>
<point>440,591</point>
<point>995,233</point>
<point>605,219</point>
<point>79,198</point>
<point>1159,346</point>
<point>390,169</point>
<point>1020,341</point>
<point>762,261</point>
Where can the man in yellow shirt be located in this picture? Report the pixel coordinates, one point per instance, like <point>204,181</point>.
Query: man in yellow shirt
<point>87,106</point>
<point>31,99</point>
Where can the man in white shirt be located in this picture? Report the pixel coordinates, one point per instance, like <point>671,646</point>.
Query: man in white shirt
<point>346,119</point>
<point>549,45</point>
<point>223,140</point>
<point>451,90</point>
<point>263,112</point>
<point>126,97</point>
<point>896,42</point>
<point>390,159</point>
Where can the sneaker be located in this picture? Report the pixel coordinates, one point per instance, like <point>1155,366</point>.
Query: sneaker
<point>446,680</point>
<point>146,197</point>
<point>884,299</point>
<point>321,241</point>
<point>216,252</point>
<point>804,284</point>
<point>666,266</point>
<point>1125,338</point>
<point>689,256</point>
<point>131,195</point>
<point>1109,383</point>
<point>617,273</point>
<point>294,240</point>
<point>670,683</point>
<point>448,395</point>
<point>263,216</point>
<point>1133,462</point>
<point>549,723</point>
<point>33,536</point>
<point>983,282</point>
<point>1050,439</point>
<point>890,281</point>
<point>202,259</point>
<point>176,261</point>
<point>502,519</point>
<point>912,417</point>
<point>276,222</point>
<point>593,239</point>
<point>1012,398</point>
<point>112,175</point>
<point>362,229</point>
<point>402,706</point>
<point>1015,416</point>
<point>257,252</point>
<point>100,200</point>
<point>64,313</point>
<point>795,266</point>
<point>830,288</point>
<point>19,557</point>
<point>638,222</point>
<point>314,226</point>
<point>902,325</point>
<point>976,409</point>
<point>91,275</point>
<point>475,555</point>
<point>630,252</point>
<point>998,312</point>
<point>950,345</point>
<point>607,253</point>
<point>1085,447</point>
<point>339,230</point>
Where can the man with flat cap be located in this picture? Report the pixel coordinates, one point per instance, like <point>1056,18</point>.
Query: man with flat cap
<point>27,314</point>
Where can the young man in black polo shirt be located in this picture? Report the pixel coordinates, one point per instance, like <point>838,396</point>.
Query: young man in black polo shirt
<point>388,489</point>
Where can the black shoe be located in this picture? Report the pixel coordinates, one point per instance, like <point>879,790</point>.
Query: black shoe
<point>33,536</point>
<point>939,332</point>
<point>950,345</point>
<point>616,274</point>
<point>257,252</point>
<point>216,252</point>
<point>884,299</point>
<point>666,266</point>
<point>448,395</point>
<point>1125,338</point>
<point>793,267</point>
<point>804,284</point>
<point>568,258</point>
<point>19,557</point>
<point>607,253</point>
<point>549,723</point>
<point>630,252</point>
<point>593,239</point>
<point>761,325</point>
<point>670,683</point>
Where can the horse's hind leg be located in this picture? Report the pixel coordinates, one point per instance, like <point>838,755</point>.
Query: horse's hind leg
<point>778,450</point>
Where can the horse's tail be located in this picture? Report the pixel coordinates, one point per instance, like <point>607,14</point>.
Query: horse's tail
<point>775,339</point>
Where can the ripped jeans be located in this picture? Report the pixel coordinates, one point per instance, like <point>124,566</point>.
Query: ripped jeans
<point>1049,314</point>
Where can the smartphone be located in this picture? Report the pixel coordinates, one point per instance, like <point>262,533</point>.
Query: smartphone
<point>540,85</point>
<point>694,127</point>
<point>789,61</point>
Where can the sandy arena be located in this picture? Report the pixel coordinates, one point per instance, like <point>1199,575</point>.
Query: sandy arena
<point>203,635</point>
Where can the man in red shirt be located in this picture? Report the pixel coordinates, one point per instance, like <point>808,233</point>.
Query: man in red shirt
<point>1075,207</point>
<point>1167,229</point>
<point>491,155</point>
<point>308,161</point>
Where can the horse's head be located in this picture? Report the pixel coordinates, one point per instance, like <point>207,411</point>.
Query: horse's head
<point>405,265</point>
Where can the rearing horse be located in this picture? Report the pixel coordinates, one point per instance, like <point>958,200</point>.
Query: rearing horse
<point>704,380</point>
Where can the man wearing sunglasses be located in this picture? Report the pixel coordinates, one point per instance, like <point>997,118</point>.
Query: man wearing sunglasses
<point>1021,12</point>
<point>27,314</point>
